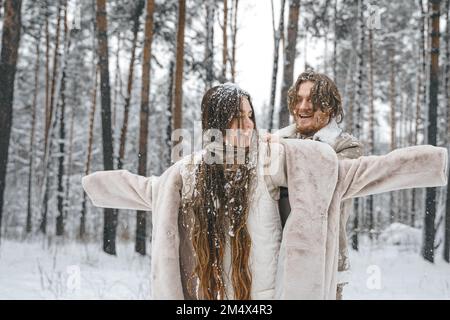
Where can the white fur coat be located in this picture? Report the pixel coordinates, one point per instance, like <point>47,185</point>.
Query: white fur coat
<point>307,261</point>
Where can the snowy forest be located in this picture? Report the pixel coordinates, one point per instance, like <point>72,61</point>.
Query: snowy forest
<point>89,85</point>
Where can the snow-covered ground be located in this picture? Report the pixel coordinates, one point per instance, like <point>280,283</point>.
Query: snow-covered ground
<point>391,267</point>
<point>72,271</point>
<point>79,271</point>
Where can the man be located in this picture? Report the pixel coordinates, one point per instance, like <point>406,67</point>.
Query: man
<point>315,103</point>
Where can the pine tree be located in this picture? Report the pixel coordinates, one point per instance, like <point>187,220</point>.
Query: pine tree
<point>28,227</point>
<point>447,99</point>
<point>430,212</point>
<point>358,122</point>
<point>234,30</point>
<point>371,126</point>
<point>289,60</point>
<point>277,35</point>
<point>126,109</point>
<point>178,97</point>
<point>110,215</point>
<point>225,41</point>
<point>144,114</point>
<point>8,66</point>
<point>62,134</point>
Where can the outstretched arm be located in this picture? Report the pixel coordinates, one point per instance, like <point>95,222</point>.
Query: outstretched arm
<point>412,167</point>
<point>119,189</point>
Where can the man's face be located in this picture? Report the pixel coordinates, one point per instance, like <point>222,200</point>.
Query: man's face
<point>308,121</point>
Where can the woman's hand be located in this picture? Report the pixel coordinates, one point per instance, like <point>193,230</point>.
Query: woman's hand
<point>267,137</point>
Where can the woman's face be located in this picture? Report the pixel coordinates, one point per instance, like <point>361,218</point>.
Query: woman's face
<point>241,127</point>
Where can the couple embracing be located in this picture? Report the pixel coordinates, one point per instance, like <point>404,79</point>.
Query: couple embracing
<point>255,216</point>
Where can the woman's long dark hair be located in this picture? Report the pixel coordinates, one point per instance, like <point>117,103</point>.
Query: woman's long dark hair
<point>220,204</point>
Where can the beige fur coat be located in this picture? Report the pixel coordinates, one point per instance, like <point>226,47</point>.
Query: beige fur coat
<point>307,260</point>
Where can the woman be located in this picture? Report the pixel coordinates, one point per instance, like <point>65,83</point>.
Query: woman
<point>221,196</point>
<point>217,233</point>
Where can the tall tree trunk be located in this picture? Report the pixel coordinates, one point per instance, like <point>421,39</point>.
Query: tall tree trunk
<point>393,125</point>
<point>89,150</point>
<point>143,129</point>
<point>8,62</point>
<point>209,44</point>
<point>225,40</point>
<point>424,27</point>
<point>289,60</point>
<point>358,124</point>
<point>416,131</point>
<point>349,93</point>
<point>276,50</point>
<point>355,231</point>
<point>50,120</point>
<point>126,109</point>
<point>447,99</point>
<point>430,212</point>
<point>47,73</point>
<point>335,43</point>
<point>371,127</point>
<point>49,116</point>
<point>28,227</point>
<point>43,218</point>
<point>117,83</point>
<point>62,137</point>
<point>168,143</point>
<point>178,98</point>
<point>234,30</point>
<point>110,215</point>
<point>67,205</point>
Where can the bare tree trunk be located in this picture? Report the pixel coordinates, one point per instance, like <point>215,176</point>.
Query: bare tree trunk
<point>8,62</point>
<point>225,40</point>
<point>358,120</point>
<point>50,117</point>
<point>209,44</point>
<point>277,34</point>
<point>67,205</point>
<point>371,127</point>
<point>117,82</point>
<point>416,127</point>
<point>178,99</point>
<point>47,73</point>
<point>351,111</point>
<point>54,80</point>
<point>289,60</point>
<point>28,227</point>
<point>355,231</point>
<point>143,129</point>
<point>89,150</point>
<point>168,143</point>
<point>424,24</point>
<point>233,41</point>
<point>62,137</point>
<point>349,93</point>
<point>110,215</point>
<point>430,212</point>
<point>335,43</point>
<point>447,99</point>
<point>393,125</point>
<point>126,109</point>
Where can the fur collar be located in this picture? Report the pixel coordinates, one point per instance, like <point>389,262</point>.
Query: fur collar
<point>327,134</point>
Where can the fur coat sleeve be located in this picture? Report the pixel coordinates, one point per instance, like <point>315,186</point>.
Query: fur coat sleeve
<point>119,189</point>
<point>412,167</point>
<point>318,182</point>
